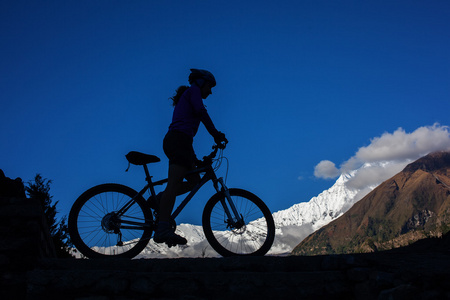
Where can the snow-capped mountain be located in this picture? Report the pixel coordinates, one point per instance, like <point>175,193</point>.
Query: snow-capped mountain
<point>292,225</point>
<point>320,210</point>
<point>300,220</point>
<point>197,245</point>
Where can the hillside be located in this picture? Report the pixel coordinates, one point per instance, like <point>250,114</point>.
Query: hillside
<point>412,205</point>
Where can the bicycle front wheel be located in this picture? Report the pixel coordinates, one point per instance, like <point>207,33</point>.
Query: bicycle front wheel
<point>251,233</point>
<point>98,230</point>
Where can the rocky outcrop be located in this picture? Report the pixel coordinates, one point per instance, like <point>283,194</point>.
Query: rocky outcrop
<point>10,187</point>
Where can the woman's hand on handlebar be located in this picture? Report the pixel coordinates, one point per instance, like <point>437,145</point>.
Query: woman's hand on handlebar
<point>221,140</point>
<point>207,160</point>
<point>222,145</point>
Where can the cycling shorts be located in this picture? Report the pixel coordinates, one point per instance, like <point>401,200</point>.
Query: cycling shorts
<point>178,147</point>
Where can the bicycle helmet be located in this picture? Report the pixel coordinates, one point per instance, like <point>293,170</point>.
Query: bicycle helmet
<point>201,74</point>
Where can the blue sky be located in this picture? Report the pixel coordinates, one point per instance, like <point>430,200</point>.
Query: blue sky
<point>299,82</point>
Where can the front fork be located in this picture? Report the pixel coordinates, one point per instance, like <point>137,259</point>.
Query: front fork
<point>237,221</point>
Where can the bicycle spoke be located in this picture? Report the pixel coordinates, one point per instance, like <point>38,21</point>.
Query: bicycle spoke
<point>249,233</point>
<point>97,228</point>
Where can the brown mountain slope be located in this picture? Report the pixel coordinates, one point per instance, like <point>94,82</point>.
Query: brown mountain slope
<point>412,205</point>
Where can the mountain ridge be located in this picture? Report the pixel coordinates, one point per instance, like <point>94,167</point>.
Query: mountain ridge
<point>409,206</point>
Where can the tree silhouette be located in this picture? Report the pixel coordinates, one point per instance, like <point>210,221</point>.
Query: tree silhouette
<point>39,189</point>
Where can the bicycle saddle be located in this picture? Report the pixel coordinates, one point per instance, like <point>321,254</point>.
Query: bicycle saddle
<point>138,158</point>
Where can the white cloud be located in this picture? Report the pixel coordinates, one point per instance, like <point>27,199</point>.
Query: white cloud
<point>326,169</point>
<point>372,175</point>
<point>401,146</point>
<point>389,154</point>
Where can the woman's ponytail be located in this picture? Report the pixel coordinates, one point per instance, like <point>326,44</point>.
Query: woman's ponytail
<point>180,90</point>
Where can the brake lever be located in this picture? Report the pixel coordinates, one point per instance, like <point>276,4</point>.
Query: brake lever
<point>222,145</point>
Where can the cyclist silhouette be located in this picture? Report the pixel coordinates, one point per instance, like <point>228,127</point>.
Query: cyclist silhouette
<point>189,111</point>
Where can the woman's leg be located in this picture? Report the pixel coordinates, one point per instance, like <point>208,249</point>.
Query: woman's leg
<point>164,232</point>
<point>176,175</point>
<point>178,148</point>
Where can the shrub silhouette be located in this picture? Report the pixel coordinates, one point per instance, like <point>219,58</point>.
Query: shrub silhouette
<point>39,189</point>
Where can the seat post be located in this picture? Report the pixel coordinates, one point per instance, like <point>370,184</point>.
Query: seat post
<point>148,178</point>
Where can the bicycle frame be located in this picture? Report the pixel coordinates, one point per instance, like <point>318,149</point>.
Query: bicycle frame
<point>218,184</point>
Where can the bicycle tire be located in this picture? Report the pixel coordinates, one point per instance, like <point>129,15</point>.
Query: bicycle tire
<point>89,214</point>
<point>255,238</point>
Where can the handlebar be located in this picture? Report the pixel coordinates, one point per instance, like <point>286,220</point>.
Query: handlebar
<point>221,146</point>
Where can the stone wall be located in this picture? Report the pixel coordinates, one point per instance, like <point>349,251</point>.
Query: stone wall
<point>389,275</point>
<point>24,240</point>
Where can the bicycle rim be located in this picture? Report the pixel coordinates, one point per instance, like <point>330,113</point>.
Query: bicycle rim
<point>96,230</point>
<point>252,238</point>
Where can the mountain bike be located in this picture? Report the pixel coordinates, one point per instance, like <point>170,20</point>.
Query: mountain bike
<point>113,220</point>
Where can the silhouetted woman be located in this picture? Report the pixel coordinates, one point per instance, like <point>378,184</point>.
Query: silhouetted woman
<point>189,111</point>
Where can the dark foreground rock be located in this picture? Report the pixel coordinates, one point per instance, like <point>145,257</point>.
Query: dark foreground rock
<point>385,275</point>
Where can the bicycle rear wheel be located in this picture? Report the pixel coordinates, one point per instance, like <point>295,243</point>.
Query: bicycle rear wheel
<point>252,237</point>
<point>98,231</point>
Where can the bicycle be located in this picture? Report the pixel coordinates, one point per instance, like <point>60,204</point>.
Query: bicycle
<point>113,220</point>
